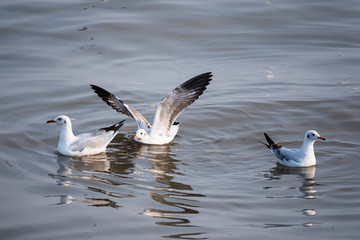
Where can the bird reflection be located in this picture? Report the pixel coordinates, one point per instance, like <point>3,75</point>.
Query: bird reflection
<point>162,161</point>
<point>170,193</point>
<point>95,163</point>
<point>128,165</point>
<point>95,202</point>
<point>307,175</point>
<point>93,168</point>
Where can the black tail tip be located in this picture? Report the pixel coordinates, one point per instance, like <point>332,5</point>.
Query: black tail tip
<point>119,124</point>
<point>268,139</point>
<point>267,145</point>
<point>114,127</point>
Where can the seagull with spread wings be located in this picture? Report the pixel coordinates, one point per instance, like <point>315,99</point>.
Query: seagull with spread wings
<point>164,127</point>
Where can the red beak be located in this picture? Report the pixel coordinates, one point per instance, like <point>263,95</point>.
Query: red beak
<point>50,121</point>
<point>321,138</point>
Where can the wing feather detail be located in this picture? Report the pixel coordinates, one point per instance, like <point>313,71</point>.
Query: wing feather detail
<point>118,105</point>
<point>180,98</point>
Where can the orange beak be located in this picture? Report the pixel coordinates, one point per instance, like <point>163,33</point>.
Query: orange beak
<point>136,136</point>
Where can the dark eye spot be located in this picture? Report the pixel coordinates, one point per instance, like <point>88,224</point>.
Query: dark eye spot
<point>308,136</point>
<point>313,134</point>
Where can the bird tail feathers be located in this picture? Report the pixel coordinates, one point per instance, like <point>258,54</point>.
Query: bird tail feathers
<point>268,139</point>
<point>114,127</point>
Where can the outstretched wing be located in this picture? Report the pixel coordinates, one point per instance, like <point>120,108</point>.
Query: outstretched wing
<point>121,107</point>
<point>173,104</point>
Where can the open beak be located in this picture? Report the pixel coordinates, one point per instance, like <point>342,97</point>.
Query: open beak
<point>322,138</point>
<point>50,121</point>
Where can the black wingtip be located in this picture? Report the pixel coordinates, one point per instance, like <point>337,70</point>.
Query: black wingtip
<point>109,98</point>
<point>198,83</point>
<point>114,127</point>
<point>96,88</point>
<point>201,79</point>
<point>101,92</point>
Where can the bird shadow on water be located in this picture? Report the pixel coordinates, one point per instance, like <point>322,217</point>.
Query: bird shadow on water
<point>177,198</point>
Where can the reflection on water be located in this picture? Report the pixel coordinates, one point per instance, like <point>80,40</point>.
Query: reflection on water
<point>163,163</point>
<point>88,170</point>
<point>96,163</point>
<point>176,197</point>
<point>306,174</point>
<point>309,224</point>
<point>94,202</point>
<point>88,164</point>
<point>307,177</point>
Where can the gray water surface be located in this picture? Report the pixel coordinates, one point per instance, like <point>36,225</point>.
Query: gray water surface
<point>279,66</point>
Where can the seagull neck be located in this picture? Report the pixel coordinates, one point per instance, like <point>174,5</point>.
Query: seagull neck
<point>308,147</point>
<point>66,133</point>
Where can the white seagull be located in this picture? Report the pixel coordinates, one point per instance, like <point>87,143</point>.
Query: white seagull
<point>303,157</point>
<point>164,127</point>
<point>83,144</point>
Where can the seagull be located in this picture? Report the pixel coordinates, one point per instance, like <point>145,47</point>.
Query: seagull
<point>303,157</point>
<point>164,127</point>
<point>83,144</point>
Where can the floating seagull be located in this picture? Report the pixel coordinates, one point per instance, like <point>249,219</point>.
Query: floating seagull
<point>83,144</point>
<point>303,157</point>
<point>164,126</point>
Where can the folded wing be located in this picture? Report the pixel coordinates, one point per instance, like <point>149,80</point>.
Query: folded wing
<point>96,139</point>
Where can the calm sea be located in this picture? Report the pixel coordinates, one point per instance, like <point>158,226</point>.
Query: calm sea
<point>280,67</point>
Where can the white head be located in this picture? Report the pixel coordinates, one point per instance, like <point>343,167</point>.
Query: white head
<point>60,120</point>
<point>312,135</point>
<point>140,134</point>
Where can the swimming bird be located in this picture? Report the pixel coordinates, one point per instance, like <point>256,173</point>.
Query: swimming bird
<point>83,144</point>
<point>303,157</point>
<point>164,127</point>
